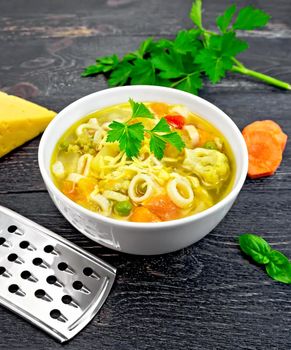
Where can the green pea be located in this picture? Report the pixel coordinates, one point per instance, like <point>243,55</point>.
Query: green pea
<point>64,146</point>
<point>210,145</point>
<point>123,208</point>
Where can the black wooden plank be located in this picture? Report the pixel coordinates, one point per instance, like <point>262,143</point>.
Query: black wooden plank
<point>51,68</point>
<point>201,296</point>
<point>119,17</point>
<point>207,296</point>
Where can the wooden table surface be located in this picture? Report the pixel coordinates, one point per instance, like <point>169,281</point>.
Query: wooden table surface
<point>207,296</point>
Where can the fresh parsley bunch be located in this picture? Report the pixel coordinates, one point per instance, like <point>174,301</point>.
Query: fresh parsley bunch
<point>130,135</point>
<point>277,264</point>
<point>182,62</point>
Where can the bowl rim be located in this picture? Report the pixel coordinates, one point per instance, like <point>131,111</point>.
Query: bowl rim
<point>144,225</point>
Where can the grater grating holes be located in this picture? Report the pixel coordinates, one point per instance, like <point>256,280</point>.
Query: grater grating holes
<point>37,261</point>
<point>77,285</point>
<point>13,288</point>
<point>25,274</point>
<point>24,244</point>
<point>35,247</point>
<point>12,228</point>
<point>51,279</point>
<point>48,249</point>
<point>40,293</point>
<point>55,313</point>
<point>12,257</point>
<point>67,299</point>
<point>87,271</point>
<point>62,266</point>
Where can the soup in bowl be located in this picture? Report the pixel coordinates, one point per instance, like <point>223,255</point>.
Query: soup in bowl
<point>142,169</point>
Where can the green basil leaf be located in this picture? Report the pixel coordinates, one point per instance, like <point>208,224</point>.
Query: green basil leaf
<point>279,267</point>
<point>256,247</point>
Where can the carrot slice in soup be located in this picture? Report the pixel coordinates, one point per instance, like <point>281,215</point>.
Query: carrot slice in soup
<point>265,152</point>
<point>142,214</point>
<point>78,191</point>
<point>163,207</point>
<point>86,186</point>
<point>204,136</point>
<point>269,125</point>
<point>69,189</point>
<point>160,108</point>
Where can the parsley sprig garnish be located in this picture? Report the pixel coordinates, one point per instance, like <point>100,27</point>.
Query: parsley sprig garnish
<point>131,135</point>
<point>195,53</point>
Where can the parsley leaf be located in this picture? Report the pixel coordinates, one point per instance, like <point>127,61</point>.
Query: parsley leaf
<point>175,140</point>
<point>162,126</point>
<point>216,59</point>
<point>139,110</point>
<point>191,83</point>
<point>186,41</point>
<point>169,64</point>
<point>115,132</point>
<point>180,62</point>
<point>143,72</point>
<point>224,20</point>
<point>92,70</point>
<point>214,64</point>
<point>158,142</point>
<point>121,74</point>
<point>129,137</point>
<point>145,47</point>
<point>103,65</point>
<point>251,18</point>
<point>157,146</point>
<point>196,13</point>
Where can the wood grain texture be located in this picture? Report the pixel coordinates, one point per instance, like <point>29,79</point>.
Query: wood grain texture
<point>207,296</point>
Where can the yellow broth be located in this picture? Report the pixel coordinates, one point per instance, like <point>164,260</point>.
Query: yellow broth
<point>98,176</point>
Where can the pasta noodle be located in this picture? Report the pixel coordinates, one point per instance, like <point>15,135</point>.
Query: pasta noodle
<point>101,202</point>
<point>84,164</point>
<point>140,188</point>
<point>180,191</point>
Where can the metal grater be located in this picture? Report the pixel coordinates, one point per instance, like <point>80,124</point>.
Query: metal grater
<point>48,280</point>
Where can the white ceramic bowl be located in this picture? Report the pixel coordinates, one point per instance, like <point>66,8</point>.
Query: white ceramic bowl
<point>142,238</point>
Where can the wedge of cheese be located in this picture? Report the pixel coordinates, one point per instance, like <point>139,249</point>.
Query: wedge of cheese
<point>20,121</point>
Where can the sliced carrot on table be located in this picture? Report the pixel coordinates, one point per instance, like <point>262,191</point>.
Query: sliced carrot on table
<point>163,207</point>
<point>269,125</point>
<point>265,152</point>
<point>142,214</point>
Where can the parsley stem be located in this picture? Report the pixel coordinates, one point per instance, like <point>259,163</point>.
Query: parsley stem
<point>238,63</point>
<point>180,80</point>
<point>266,78</point>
